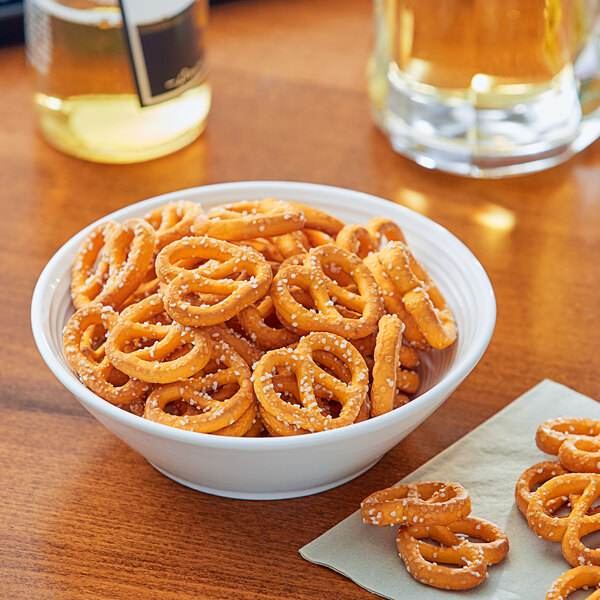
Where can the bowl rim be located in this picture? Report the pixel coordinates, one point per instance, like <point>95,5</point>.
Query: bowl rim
<point>47,281</point>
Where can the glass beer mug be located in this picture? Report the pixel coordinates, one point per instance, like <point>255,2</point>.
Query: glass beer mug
<point>486,88</point>
<point>118,81</point>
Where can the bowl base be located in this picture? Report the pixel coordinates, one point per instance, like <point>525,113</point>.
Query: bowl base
<point>271,495</point>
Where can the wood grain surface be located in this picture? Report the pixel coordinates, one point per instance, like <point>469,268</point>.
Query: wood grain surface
<point>82,515</point>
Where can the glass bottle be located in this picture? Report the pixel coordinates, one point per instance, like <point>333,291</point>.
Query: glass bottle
<point>117,90</point>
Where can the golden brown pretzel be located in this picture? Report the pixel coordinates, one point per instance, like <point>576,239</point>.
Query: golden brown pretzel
<point>380,227</point>
<point>172,221</point>
<point>580,454</point>
<point>580,578</point>
<point>553,432</point>
<point>393,303</point>
<point>84,347</point>
<point>250,219</point>
<point>143,339</point>
<point>426,503</point>
<point>260,323</point>
<point>111,263</point>
<point>356,239</point>
<point>386,363</point>
<point>420,296</point>
<point>232,415</point>
<point>423,559</point>
<point>470,569</point>
<point>311,278</point>
<point>570,529</point>
<point>300,363</point>
<point>232,278</point>
<point>535,475</point>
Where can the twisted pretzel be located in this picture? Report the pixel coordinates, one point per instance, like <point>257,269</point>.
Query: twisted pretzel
<point>581,577</point>
<point>422,558</point>
<point>111,263</point>
<point>250,353</point>
<point>314,237</point>
<point>326,295</point>
<point>300,363</point>
<point>318,219</point>
<point>535,475</point>
<point>578,523</point>
<point>580,454</point>
<point>172,221</point>
<point>356,239</point>
<point>220,296</point>
<point>386,363</point>
<point>394,305</point>
<point>471,566</point>
<point>143,339</point>
<point>248,220</point>
<point>380,227</point>
<point>260,322</point>
<point>419,294</point>
<point>216,415</point>
<point>84,341</point>
<point>429,503</point>
<point>552,433</point>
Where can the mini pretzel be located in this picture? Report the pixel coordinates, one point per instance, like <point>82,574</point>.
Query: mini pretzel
<point>533,476</point>
<point>241,345</point>
<point>299,362</point>
<point>253,320</point>
<point>215,414</point>
<point>267,248</point>
<point>552,433</point>
<point>430,503</point>
<point>385,367</point>
<point>83,342</point>
<point>494,542</point>
<point>380,227</point>
<point>471,566</point>
<point>291,244</point>
<point>142,347</point>
<point>356,239</point>
<point>248,220</point>
<point>315,238</point>
<point>326,316</point>
<point>221,296</point>
<point>580,454</point>
<point>553,528</point>
<point>111,263</point>
<point>409,357</point>
<point>579,578</point>
<point>394,305</point>
<point>420,296</point>
<point>318,219</point>
<point>172,221</point>
<point>422,558</point>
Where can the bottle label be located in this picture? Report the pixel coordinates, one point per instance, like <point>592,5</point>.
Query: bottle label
<point>166,49</point>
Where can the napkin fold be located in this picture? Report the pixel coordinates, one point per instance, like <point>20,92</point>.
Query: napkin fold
<point>487,461</point>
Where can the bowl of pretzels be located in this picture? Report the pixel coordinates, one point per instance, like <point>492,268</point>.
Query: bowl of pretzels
<point>262,340</point>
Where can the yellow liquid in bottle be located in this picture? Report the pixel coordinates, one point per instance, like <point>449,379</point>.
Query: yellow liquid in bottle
<point>86,99</point>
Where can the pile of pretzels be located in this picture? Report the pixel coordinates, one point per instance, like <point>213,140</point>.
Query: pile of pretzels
<point>255,318</point>
<point>439,541</point>
<point>564,507</point>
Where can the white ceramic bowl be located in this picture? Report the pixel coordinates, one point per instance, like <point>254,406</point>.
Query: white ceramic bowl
<point>273,468</point>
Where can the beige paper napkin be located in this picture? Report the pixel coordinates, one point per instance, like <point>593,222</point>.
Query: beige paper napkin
<point>488,462</point>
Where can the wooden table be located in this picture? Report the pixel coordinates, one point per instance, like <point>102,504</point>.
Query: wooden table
<point>82,515</point>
